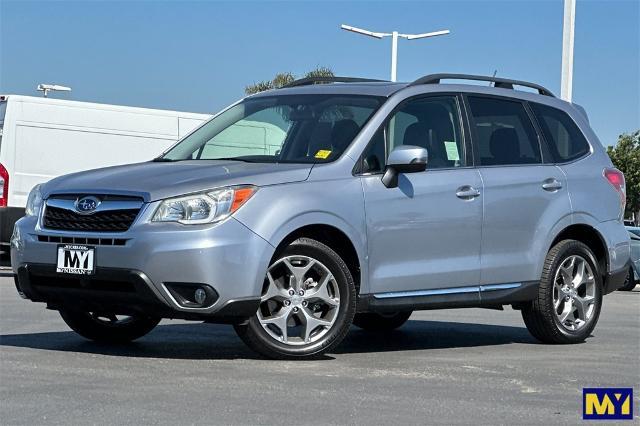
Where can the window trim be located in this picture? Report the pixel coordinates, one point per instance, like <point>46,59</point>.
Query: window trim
<point>466,143</point>
<point>475,138</point>
<point>554,162</point>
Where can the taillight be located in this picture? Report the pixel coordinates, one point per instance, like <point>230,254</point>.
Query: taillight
<point>4,186</point>
<point>616,179</point>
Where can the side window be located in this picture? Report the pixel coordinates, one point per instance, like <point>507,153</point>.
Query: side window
<point>565,138</point>
<point>432,123</point>
<point>504,132</point>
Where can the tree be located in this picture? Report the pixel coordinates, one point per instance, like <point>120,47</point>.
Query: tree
<point>320,72</point>
<point>284,78</point>
<point>625,155</point>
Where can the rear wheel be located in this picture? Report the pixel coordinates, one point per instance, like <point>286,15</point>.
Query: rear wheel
<point>381,322</point>
<point>307,304</point>
<point>108,327</point>
<point>569,296</point>
<point>630,282</point>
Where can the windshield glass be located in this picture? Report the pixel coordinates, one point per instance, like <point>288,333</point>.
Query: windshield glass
<point>287,129</point>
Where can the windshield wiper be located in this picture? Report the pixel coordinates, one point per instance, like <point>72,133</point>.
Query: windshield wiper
<point>163,160</point>
<point>244,160</point>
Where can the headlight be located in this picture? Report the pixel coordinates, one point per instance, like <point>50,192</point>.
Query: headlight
<point>205,207</point>
<point>34,202</point>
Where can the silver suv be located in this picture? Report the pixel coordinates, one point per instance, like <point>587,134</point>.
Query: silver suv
<point>296,212</point>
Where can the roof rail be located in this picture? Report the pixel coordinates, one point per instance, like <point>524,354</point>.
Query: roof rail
<point>307,81</point>
<point>503,83</point>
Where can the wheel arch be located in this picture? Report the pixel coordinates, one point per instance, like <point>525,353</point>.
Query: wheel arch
<point>589,236</point>
<point>333,237</point>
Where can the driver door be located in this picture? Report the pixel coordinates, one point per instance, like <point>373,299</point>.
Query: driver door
<point>424,234</point>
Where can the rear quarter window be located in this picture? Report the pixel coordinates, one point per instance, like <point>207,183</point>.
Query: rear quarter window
<point>563,136</point>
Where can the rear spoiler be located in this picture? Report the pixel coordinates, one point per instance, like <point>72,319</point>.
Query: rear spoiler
<point>582,111</point>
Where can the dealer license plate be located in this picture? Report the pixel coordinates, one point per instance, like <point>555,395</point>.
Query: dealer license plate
<point>75,259</point>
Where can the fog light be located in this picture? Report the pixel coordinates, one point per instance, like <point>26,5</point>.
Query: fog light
<point>200,296</point>
<point>192,295</point>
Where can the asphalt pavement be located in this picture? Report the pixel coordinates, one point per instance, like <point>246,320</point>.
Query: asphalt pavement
<point>466,366</point>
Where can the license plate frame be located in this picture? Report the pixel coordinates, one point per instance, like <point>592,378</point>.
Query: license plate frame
<point>76,259</point>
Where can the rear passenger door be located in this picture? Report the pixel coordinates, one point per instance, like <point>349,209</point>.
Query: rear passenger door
<point>523,197</point>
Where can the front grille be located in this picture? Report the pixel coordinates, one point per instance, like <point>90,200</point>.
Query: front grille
<point>102,221</point>
<point>83,240</point>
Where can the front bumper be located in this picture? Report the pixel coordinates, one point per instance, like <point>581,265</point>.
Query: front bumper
<point>226,256</point>
<point>115,290</point>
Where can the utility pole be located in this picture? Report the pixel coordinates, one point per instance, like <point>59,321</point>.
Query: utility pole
<point>568,27</point>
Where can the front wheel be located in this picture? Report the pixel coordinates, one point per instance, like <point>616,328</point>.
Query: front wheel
<point>108,327</point>
<point>630,282</point>
<point>569,295</point>
<point>307,305</point>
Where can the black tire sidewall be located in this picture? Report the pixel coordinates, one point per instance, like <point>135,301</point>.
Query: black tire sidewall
<point>267,345</point>
<point>372,321</point>
<point>86,326</point>
<point>630,282</point>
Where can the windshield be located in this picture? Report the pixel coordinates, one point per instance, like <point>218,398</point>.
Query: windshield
<point>287,129</point>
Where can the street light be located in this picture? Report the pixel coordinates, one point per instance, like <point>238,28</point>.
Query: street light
<point>46,88</point>
<point>394,41</point>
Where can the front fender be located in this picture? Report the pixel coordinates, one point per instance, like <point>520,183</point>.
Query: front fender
<point>275,212</point>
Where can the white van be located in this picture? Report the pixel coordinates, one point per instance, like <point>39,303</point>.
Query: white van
<point>41,138</point>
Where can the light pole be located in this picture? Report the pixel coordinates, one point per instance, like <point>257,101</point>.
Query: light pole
<point>566,83</point>
<point>394,41</point>
<point>46,88</point>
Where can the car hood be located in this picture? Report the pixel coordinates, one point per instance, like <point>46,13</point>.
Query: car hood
<point>157,180</point>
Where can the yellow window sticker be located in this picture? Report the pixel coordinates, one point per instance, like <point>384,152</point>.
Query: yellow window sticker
<point>323,154</point>
<point>452,151</point>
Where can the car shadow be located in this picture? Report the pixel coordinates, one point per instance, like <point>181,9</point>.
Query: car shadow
<point>425,335</point>
<point>212,341</point>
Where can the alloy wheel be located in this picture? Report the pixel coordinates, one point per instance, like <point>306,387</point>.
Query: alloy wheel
<point>574,293</point>
<point>300,300</point>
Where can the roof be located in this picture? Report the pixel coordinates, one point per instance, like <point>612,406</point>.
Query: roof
<point>387,88</point>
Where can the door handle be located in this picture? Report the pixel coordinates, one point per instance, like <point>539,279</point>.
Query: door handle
<point>467,192</point>
<point>551,185</point>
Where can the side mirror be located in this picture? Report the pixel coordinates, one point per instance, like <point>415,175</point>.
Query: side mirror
<point>404,159</point>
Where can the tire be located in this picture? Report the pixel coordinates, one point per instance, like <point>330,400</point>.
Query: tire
<point>107,327</point>
<point>629,283</point>
<point>542,318</point>
<point>381,322</point>
<point>329,295</point>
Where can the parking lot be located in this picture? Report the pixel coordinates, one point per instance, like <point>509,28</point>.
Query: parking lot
<point>456,366</point>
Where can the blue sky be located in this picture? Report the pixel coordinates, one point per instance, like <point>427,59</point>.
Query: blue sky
<point>198,56</point>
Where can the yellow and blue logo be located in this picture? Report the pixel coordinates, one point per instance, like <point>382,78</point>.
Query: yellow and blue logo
<point>607,403</point>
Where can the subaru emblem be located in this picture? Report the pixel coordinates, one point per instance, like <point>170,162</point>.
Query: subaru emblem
<point>87,205</point>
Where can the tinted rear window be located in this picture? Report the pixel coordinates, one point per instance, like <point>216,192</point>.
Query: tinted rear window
<point>504,132</point>
<point>565,139</point>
